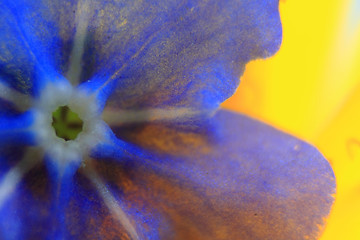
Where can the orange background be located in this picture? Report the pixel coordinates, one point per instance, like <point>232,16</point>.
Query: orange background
<point>311,88</point>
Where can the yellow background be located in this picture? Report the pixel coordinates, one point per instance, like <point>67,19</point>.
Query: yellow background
<point>311,88</point>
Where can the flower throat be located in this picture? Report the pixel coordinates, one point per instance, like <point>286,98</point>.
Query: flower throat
<point>66,123</point>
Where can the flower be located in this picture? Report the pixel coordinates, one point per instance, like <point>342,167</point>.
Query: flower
<point>108,128</point>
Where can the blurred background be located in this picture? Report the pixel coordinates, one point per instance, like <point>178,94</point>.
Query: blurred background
<point>311,89</point>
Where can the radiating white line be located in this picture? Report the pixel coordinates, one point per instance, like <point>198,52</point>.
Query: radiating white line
<point>21,101</point>
<point>83,15</point>
<point>110,201</point>
<point>118,117</point>
<point>14,176</point>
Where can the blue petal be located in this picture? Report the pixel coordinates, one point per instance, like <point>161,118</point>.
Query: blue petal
<point>62,187</point>
<point>34,42</point>
<point>24,211</point>
<point>236,179</point>
<point>177,53</point>
<point>37,207</point>
<point>183,53</point>
<point>15,129</point>
<point>43,209</point>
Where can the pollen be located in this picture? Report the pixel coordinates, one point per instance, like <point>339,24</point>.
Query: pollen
<point>66,123</point>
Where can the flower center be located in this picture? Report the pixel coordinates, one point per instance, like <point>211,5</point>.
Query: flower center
<point>67,124</point>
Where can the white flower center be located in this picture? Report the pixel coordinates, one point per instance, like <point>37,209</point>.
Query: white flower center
<point>84,105</point>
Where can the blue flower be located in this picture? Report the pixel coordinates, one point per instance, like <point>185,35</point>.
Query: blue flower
<point>108,127</point>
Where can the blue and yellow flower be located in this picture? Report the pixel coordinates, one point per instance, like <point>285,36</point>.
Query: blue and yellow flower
<point>109,127</point>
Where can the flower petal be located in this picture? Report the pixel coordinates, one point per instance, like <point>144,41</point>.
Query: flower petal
<point>15,129</point>
<point>183,53</point>
<point>237,179</point>
<point>62,186</point>
<point>177,53</point>
<point>24,201</point>
<point>34,200</point>
<point>34,42</point>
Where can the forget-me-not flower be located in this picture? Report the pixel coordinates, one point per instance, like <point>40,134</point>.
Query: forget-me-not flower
<point>108,127</point>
